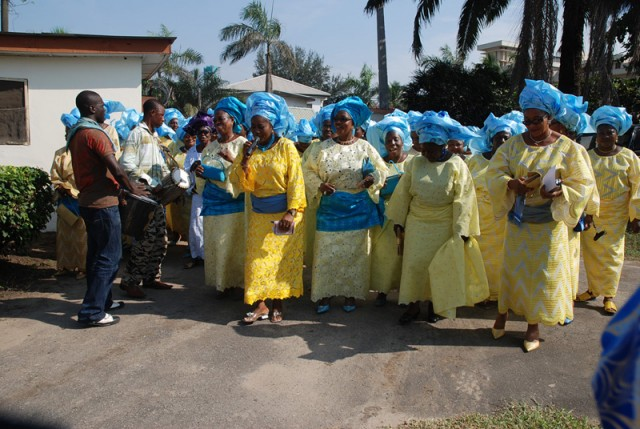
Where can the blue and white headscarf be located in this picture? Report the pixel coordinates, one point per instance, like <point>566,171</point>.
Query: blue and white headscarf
<point>172,113</point>
<point>235,108</point>
<point>575,118</point>
<point>538,94</point>
<point>377,133</point>
<point>323,115</point>
<point>272,107</point>
<point>355,107</point>
<point>69,119</point>
<point>494,125</point>
<point>617,117</point>
<point>128,120</point>
<point>305,131</point>
<point>436,127</point>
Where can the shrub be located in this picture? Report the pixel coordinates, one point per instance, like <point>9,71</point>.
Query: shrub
<point>26,204</point>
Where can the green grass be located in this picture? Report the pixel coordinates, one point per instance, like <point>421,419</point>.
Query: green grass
<point>632,246</point>
<point>518,416</point>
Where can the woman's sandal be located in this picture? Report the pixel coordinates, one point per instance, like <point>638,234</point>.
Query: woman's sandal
<point>585,296</point>
<point>276,316</point>
<point>610,306</point>
<point>252,317</point>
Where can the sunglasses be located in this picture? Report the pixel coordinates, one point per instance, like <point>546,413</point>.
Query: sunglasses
<point>534,121</point>
<point>204,132</point>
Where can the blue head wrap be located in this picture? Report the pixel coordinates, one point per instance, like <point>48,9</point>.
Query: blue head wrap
<point>272,107</point>
<point>355,107</point>
<point>377,133</point>
<point>494,125</point>
<point>166,130</point>
<point>172,113</point>
<point>413,117</point>
<point>305,131</point>
<point>400,113</point>
<point>128,120</point>
<point>435,127</point>
<point>235,108</point>
<point>69,120</point>
<point>323,115</point>
<point>538,94</point>
<point>617,117</point>
<point>574,116</point>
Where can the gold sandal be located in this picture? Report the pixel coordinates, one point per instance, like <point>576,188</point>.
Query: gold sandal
<point>610,306</point>
<point>585,296</point>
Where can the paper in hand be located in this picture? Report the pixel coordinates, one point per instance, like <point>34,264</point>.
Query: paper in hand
<point>549,179</point>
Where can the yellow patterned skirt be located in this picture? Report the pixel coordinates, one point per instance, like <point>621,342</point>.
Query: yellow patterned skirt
<point>574,251</point>
<point>536,275</point>
<point>603,259</point>
<point>71,241</point>
<point>309,232</point>
<point>224,252</point>
<point>273,263</point>
<point>491,242</point>
<point>341,264</point>
<point>386,264</point>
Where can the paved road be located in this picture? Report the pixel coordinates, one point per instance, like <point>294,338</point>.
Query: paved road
<point>180,359</point>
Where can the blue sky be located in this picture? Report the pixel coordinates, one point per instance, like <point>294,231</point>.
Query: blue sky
<point>337,30</point>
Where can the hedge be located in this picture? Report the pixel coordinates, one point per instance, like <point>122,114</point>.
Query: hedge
<point>26,204</point>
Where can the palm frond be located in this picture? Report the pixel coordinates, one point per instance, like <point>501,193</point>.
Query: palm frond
<point>372,5</point>
<point>472,20</point>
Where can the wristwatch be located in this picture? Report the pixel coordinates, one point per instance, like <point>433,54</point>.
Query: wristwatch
<point>292,212</point>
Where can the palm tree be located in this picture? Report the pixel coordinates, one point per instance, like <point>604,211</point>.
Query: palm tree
<point>258,30</point>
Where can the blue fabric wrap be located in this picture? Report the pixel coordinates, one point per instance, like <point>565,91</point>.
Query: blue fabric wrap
<point>68,120</point>
<point>538,94</point>
<point>70,203</point>
<point>235,108</point>
<point>355,107</point>
<point>273,204</point>
<point>367,168</point>
<point>523,213</point>
<point>342,211</point>
<point>272,107</point>
<point>390,186</point>
<point>86,123</point>
<point>216,201</point>
<point>617,117</point>
<point>213,173</point>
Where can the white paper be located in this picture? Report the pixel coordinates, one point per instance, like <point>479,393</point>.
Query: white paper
<point>549,179</point>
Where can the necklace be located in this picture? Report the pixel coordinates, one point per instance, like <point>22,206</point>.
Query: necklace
<point>345,143</point>
<point>537,142</point>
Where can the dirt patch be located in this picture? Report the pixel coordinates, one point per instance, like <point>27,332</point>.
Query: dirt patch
<point>27,270</point>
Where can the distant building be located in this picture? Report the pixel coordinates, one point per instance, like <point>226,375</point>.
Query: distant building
<point>303,101</point>
<point>41,74</point>
<point>503,52</point>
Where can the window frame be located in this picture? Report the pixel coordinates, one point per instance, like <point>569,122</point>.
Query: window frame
<point>25,94</point>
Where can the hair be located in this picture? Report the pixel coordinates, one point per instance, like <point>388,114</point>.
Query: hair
<point>150,105</point>
<point>85,100</point>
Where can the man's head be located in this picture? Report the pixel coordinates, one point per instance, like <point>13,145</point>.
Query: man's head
<point>91,106</point>
<point>153,111</point>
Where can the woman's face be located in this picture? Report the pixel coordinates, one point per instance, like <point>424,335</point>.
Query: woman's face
<point>261,128</point>
<point>327,132</point>
<point>499,139</point>
<point>536,121</point>
<point>432,151</point>
<point>343,124</point>
<point>393,144</point>
<point>188,141</point>
<point>606,136</point>
<point>204,134</point>
<point>223,123</point>
<point>415,142</point>
<point>173,124</point>
<point>455,146</point>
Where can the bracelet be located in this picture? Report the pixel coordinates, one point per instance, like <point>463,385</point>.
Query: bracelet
<point>292,212</point>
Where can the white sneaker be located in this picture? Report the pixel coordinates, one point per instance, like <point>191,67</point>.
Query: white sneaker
<point>107,320</point>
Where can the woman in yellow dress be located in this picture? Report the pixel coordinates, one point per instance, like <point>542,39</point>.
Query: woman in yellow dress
<point>536,273</point>
<point>617,172</point>
<point>344,174</point>
<point>434,208</point>
<point>269,170</point>
<point>491,239</point>
<point>224,217</point>
<point>392,139</point>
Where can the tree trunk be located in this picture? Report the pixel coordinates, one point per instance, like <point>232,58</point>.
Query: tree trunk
<point>522,65</point>
<point>268,86</point>
<point>5,16</point>
<point>572,46</point>
<point>383,80</point>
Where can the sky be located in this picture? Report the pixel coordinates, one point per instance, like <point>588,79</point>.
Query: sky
<point>338,30</point>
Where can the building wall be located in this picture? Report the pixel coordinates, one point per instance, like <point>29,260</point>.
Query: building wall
<point>52,85</point>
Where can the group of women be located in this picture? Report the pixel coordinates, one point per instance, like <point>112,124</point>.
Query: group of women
<point>377,215</point>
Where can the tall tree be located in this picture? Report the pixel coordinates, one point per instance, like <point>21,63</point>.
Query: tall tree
<point>200,89</point>
<point>383,79</point>
<point>257,31</point>
<point>362,86</point>
<point>307,67</point>
<point>572,45</point>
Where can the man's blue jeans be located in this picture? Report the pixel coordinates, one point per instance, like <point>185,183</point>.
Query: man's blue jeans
<point>104,250</point>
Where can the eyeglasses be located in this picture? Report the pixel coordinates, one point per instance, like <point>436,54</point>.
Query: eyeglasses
<point>204,132</point>
<point>341,120</point>
<point>535,121</point>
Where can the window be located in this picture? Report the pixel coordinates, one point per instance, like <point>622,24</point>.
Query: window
<point>13,112</point>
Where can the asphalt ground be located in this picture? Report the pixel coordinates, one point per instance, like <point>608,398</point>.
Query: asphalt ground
<point>179,358</point>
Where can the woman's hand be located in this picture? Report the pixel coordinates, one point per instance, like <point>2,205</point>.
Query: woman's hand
<point>518,186</point>
<point>199,171</point>
<point>367,182</point>
<point>327,188</point>
<point>224,154</point>
<point>588,221</point>
<point>553,193</point>
<point>286,221</point>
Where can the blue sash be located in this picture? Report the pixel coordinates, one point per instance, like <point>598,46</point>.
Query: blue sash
<point>523,213</point>
<point>273,204</point>
<point>70,203</point>
<point>216,201</point>
<point>343,211</point>
<point>390,186</point>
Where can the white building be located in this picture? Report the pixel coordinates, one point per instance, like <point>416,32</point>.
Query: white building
<point>303,101</point>
<point>41,75</point>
